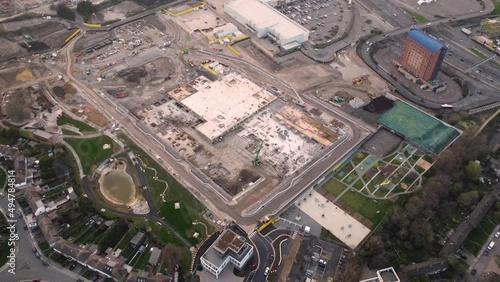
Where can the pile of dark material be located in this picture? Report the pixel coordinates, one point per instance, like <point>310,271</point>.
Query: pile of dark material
<point>133,74</point>
<point>379,105</point>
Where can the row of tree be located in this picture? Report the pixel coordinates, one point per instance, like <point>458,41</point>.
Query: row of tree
<point>84,8</point>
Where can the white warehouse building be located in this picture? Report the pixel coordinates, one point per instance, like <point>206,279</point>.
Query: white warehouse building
<point>264,20</point>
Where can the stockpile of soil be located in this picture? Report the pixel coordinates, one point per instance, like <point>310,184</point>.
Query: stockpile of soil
<point>25,76</point>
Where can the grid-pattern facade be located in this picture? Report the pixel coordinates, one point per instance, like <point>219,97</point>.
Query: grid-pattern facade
<point>419,59</point>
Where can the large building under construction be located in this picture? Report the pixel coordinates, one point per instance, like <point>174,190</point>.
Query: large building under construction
<point>422,56</point>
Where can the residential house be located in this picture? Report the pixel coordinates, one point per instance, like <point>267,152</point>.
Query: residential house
<point>34,201</point>
<point>137,240</point>
<point>72,251</point>
<point>154,259</point>
<point>47,227</point>
<point>426,268</point>
<point>143,276</point>
<point>109,266</point>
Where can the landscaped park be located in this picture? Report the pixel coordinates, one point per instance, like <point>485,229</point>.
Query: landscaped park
<point>390,164</point>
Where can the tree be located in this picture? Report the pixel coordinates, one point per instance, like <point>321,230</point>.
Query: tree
<point>85,9</point>
<point>66,13</point>
<point>468,199</point>
<point>172,255</point>
<point>473,170</point>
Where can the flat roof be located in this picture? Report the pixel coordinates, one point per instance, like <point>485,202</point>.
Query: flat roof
<point>345,227</point>
<point>229,240</point>
<point>425,40</point>
<point>264,16</point>
<point>225,103</point>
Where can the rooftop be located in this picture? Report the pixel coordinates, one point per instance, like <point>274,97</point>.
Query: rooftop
<point>229,240</point>
<point>420,128</point>
<point>425,40</point>
<point>262,16</point>
<point>225,103</point>
<point>137,239</point>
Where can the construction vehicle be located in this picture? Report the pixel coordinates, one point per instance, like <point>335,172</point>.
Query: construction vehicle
<point>257,161</point>
<point>27,44</point>
<point>339,99</point>
<point>371,95</point>
<point>265,222</point>
<point>357,81</point>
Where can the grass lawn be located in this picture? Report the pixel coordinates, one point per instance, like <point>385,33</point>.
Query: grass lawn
<point>478,53</point>
<point>358,185</point>
<point>497,7</point>
<point>428,159</point>
<point>479,236</point>
<point>91,152</point>
<point>182,220</point>
<point>418,17</point>
<point>351,177</point>
<point>190,206</point>
<point>365,206</point>
<point>419,169</point>
<point>334,187</point>
<point>398,189</point>
<point>82,126</point>
<point>472,247</point>
<point>69,132</point>
<point>142,261</point>
<point>3,178</point>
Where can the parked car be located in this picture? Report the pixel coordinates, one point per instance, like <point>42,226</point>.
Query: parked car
<point>486,253</point>
<point>37,254</point>
<point>45,262</point>
<point>266,272</point>
<point>473,272</point>
<point>497,234</point>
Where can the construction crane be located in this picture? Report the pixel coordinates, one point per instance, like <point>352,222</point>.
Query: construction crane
<point>257,161</point>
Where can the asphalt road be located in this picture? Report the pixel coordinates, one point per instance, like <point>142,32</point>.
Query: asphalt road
<point>389,12</point>
<point>28,266</point>
<point>481,262</point>
<point>265,254</point>
<point>365,55</point>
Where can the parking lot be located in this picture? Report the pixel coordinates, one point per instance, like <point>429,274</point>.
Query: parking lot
<point>326,19</point>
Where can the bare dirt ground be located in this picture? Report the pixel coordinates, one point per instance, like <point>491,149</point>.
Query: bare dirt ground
<point>304,75</point>
<point>9,48</point>
<point>120,11</point>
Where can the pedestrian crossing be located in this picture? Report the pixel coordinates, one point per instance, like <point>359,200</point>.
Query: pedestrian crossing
<point>294,235</point>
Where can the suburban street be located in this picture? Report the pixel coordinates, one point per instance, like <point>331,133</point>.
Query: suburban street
<point>28,266</point>
<point>482,263</point>
<point>265,255</point>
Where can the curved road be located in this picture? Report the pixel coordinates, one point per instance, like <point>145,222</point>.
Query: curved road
<point>366,49</point>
